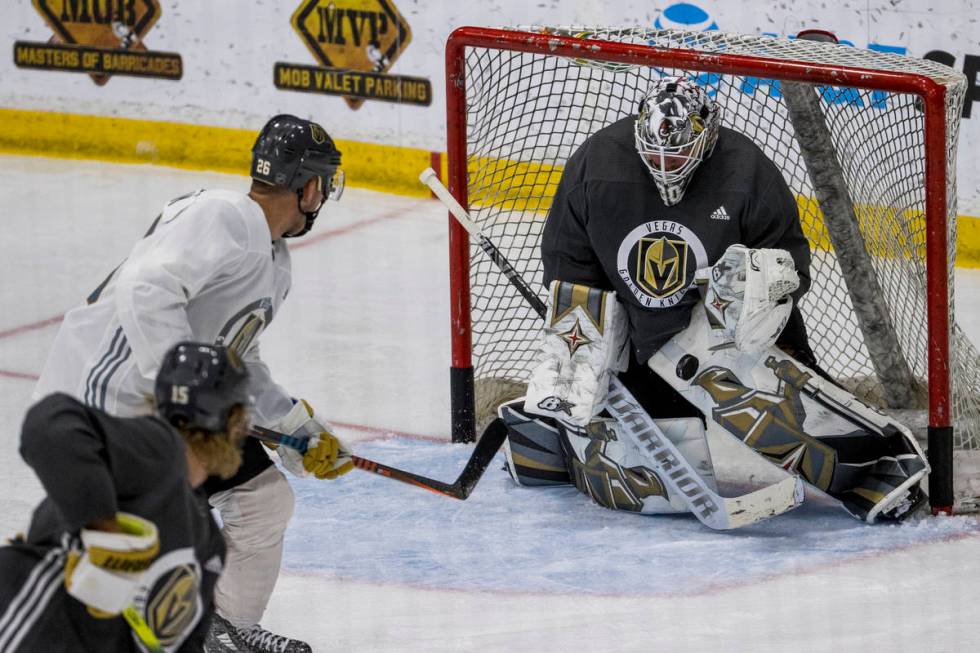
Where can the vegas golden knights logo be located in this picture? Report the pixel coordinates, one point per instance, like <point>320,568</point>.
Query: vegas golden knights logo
<point>240,342</point>
<point>609,484</point>
<point>244,327</point>
<point>656,261</point>
<point>661,266</point>
<point>173,604</point>
<point>771,423</point>
<point>317,133</point>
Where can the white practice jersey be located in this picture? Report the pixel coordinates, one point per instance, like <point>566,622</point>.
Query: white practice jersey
<point>208,271</point>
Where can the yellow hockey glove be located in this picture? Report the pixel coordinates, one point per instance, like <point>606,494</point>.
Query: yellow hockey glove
<point>327,456</point>
<point>106,573</point>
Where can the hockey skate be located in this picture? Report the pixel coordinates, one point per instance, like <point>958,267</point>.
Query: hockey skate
<point>912,505</point>
<point>226,638</point>
<point>219,637</point>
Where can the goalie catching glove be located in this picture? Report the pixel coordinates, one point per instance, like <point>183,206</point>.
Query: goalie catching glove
<point>748,295</point>
<point>106,573</point>
<point>327,456</point>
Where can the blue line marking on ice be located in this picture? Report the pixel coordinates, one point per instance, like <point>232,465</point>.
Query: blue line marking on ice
<point>517,539</point>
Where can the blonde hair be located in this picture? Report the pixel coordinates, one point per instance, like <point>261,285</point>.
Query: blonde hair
<point>220,451</point>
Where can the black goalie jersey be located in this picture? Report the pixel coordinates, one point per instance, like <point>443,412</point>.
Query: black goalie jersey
<point>608,228</point>
<point>93,465</point>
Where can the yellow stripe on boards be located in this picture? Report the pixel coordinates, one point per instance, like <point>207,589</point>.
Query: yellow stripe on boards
<point>512,185</point>
<point>366,165</point>
<point>968,242</point>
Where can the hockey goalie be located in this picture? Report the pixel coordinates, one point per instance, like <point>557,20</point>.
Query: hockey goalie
<point>727,356</point>
<point>724,365</point>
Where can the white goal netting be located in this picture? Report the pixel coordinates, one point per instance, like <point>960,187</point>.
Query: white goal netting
<point>526,112</point>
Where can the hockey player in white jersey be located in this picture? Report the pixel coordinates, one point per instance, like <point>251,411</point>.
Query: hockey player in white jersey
<point>214,267</point>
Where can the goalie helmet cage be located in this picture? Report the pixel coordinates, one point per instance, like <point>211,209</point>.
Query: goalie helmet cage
<point>878,128</point>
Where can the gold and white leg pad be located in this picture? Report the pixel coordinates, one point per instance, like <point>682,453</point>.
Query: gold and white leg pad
<point>612,470</point>
<point>800,422</point>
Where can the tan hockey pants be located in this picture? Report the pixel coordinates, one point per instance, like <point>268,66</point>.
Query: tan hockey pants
<point>255,515</point>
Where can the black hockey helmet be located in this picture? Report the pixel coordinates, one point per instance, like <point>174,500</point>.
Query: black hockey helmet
<point>290,151</point>
<point>198,384</point>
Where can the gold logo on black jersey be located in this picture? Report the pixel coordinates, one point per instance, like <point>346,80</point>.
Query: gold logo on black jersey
<point>173,604</point>
<point>656,261</point>
<point>661,265</point>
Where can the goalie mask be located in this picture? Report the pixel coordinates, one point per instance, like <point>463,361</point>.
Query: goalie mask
<point>676,130</point>
<point>289,152</point>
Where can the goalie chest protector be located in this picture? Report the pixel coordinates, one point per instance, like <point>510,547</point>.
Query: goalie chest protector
<point>608,227</point>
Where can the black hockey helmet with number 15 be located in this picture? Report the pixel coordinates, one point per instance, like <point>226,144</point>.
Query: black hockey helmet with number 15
<point>198,384</point>
<point>290,151</point>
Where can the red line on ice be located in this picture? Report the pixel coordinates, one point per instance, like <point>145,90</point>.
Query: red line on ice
<point>32,327</point>
<point>18,375</point>
<point>381,433</point>
<point>375,432</point>
<point>339,231</point>
<point>309,240</point>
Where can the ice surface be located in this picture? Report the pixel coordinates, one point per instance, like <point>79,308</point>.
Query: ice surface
<point>375,565</point>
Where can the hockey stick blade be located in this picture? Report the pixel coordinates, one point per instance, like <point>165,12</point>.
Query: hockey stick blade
<point>713,510</point>
<point>461,489</point>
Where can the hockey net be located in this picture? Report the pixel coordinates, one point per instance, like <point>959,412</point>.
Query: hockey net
<point>521,100</point>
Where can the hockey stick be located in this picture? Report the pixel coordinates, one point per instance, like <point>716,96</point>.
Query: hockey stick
<point>461,488</point>
<point>142,630</point>
<point>675,472</point>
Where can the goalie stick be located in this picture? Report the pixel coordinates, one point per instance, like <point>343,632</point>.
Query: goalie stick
<point>676,473</point>
<point>461,488</point>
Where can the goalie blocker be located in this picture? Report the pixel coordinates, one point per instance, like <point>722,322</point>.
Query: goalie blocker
<point>725,365</point>
<point>582,343</point>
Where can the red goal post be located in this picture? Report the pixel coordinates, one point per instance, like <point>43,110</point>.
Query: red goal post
<point>519,100</point>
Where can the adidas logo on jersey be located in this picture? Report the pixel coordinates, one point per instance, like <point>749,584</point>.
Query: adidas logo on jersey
<point>720,214</point>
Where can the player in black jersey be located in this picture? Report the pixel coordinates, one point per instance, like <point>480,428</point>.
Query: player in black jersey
<point>123,554</point>
<point>712,187</point>
<point>645,208</point>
